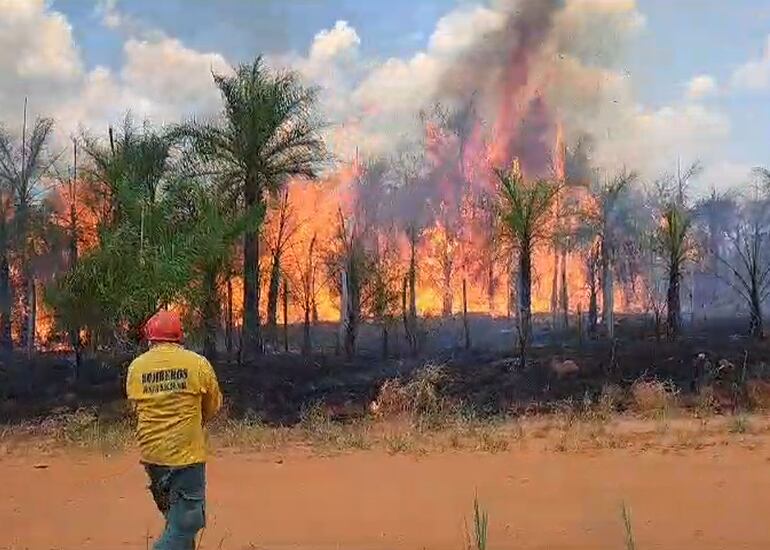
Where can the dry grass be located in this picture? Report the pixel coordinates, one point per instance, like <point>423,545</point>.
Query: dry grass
<point>82,429</point>
<point>758,393</point>
<point>419,399</point>
<point>610,401</point>
<point>654,399</point>
<point>421,421</point>
<point>739,424</point>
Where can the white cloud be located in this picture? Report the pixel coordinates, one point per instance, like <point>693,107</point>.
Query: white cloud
<point>39,60</point>
<point>160,78</point>
<point>373,104</point>
<point>701,86</point>
<point>754,75</point>
<point>110,16</point>
<point>174,79</point>
<point>35,42</point>
<point>329,43</point>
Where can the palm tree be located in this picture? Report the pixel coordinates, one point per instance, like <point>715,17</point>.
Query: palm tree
<point>268,133</point>
<point>676,246</point>
<point>215,230</point>
<point>128,177</point>
<point>23,167</point>
<point>131,167</point>
<point>524,207</point>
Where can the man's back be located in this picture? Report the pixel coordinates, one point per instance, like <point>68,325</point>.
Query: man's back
<point>175,391</point>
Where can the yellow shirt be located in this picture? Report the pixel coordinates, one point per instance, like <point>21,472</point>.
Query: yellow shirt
<point>175,391</point>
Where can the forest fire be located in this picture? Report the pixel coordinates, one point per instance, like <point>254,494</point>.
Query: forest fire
<point>408,227</point>
<point>433,209</point>
<point>461,245</point>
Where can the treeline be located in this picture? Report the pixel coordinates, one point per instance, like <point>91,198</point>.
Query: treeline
<point>166,208</point>
<point>145,218</point>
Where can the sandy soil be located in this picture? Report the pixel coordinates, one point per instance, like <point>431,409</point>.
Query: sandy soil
<point>717,498</point>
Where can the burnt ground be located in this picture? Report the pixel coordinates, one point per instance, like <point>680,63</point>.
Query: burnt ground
<point>487,378</point>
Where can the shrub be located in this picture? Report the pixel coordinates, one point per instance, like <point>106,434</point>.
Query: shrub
<point>419,398</point>
<point>653,398</point>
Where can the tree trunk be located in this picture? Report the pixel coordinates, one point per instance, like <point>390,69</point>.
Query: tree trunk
<point>349,308</point>
<point>211,313</point>
<point>272,293</point>
<point>23,316</point>
<point>466,328</point>
<point>491,285</point>
<point>74,330</point>
<point>580,325</point>
<point>446,306</point>
<point>714,246</point>
<point>593,307</point>
<point>756,328</point>
<point>308,287</point>
<point>412,276</point>
<point>384,340</point>
<point>608,292</point>
<point>252,334</point>
<point>6,299</point>
<point>692,296</point>
<point>229,325</point>
<point>404,310</point>
<point>512,282</point>
<point>525,301</point>
<point>306,334</point>
<point>564,290</point>
<point>32,317</point>
<point>285,315</point>
<point>673,305</point>
<point>555,287</point>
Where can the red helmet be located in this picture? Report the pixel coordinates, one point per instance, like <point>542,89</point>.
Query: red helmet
<point>164,326</point>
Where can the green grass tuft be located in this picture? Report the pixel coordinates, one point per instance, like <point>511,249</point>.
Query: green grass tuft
<point>630,542</point>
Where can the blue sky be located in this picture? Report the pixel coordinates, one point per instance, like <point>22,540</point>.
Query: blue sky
<point>241,28</point>
<point>680,40</point>
<point>684,38</point>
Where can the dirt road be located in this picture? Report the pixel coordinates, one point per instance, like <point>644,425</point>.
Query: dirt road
<point>717,498</point>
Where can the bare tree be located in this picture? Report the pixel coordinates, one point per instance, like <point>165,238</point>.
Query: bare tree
<point>448,132</point>
<point>6,289</point>
<point>69,222</point>
<point>348,268</point>
<point>306,286</point>
<point>278,235</point>
<point>592,266</point>
<point>406,167</point>
<point>381,294</point>
<point>715,214</point>
<point>749,264</point>
<point>23,169</point>
<point>607,224</point>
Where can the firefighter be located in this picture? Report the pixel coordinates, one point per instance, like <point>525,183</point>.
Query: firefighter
<point>174,392</point>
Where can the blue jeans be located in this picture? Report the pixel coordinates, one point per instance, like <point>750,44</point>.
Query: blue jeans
<point>180,494</point>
